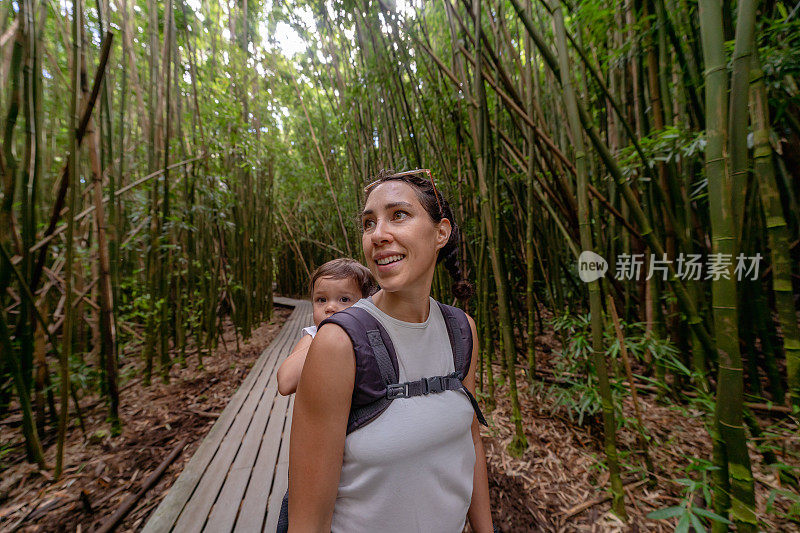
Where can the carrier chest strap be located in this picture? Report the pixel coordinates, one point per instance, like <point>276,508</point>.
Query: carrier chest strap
<point>433,385</point>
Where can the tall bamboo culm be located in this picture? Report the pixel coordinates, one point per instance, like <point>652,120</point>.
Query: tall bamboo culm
<point>734,491</point>
<point>587,244</point>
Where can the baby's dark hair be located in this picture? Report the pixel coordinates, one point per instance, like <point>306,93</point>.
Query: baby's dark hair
<point>437,208</point>
<point>345,268</point>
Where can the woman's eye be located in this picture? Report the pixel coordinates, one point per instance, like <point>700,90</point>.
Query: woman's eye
<point>399,215</point>
<point>368,224</point>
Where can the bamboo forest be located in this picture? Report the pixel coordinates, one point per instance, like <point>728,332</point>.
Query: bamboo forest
<point>625,175</point>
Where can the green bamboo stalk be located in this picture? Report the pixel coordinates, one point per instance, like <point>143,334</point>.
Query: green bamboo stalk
<point>24,330</point>
<point>74,161</point>
<point>587,243</point>
<point>38,25</point>
<point>530,268</point>
<point>106,320</point>
<point>778,234</point>
<point>28,426</point>
<point>165,255</point>
<point>10,177</point>
<point>487,345</point>
<point>9,357</point>
<point>519,443</point>
<point>728,411</point>
<point>739,97</point>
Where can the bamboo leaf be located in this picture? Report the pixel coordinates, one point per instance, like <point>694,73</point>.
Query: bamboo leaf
<point>669,512</point>
<point>710,515</point>
<point>683,523</point>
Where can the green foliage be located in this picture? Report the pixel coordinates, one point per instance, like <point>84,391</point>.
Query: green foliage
<point>578,391</point>
<point>793,512</point>
<point>672,144</point>
<point>687,512</point>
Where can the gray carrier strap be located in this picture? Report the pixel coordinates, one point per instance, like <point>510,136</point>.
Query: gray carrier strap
<point>459,340</point>
<point>388,375</point>
<point>424,386</point>
<point>382,356</point>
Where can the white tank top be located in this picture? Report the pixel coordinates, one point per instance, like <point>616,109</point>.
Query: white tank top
<point>411,468</point>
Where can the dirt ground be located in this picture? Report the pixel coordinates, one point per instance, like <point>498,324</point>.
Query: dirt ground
<point>102,471</point>
<point>557,485</point>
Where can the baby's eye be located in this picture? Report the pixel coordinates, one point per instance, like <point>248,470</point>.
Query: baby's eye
<point>321,300</point>
<point>344,299</point>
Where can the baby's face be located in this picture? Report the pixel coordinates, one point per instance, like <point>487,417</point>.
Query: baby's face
<point>332,295</point>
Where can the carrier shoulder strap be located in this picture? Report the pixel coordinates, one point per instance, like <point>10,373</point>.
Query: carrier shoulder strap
<point>460,333</point>
<point>376,364</point>
<point>460,337</point>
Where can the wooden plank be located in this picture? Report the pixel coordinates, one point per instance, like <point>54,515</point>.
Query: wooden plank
<point>170,508</point>
<point>227,503</point>
<point>223,514</point>
<point>281,482</point>
<point>195,513</point>
<point>288,302</point>
<point>165,516</point>
<point>254,509</point>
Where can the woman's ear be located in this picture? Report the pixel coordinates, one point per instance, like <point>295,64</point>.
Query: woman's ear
<point>443,233</point>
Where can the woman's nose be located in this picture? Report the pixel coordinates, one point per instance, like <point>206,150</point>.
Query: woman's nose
<point>380,233</point>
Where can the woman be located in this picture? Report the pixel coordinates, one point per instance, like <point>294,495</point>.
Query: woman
<point>419,466</point>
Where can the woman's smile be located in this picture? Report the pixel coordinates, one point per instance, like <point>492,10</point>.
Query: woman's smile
<point>387,263</point>
<point>389,260</point>
<point>390,265</point>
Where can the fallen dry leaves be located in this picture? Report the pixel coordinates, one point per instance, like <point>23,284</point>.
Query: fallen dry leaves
<point>561,472</point>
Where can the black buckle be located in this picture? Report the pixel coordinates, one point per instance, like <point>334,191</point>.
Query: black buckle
<point>433,384</point>
<point>397,390</point>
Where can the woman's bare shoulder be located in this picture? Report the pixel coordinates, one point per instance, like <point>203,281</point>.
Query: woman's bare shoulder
<point>331,352</point>
<point>332,333</point>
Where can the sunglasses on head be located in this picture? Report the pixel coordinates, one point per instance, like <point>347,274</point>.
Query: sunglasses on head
<point>409,173</point>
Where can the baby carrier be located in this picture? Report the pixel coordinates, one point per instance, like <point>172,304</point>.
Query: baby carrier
<point>376,381</point>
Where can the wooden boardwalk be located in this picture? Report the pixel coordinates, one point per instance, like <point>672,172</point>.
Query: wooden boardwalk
<point>237,477</point>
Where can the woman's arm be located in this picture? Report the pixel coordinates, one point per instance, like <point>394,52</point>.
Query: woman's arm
<point>290,369</point>
<point>480,510</point>
<point>319,425</point>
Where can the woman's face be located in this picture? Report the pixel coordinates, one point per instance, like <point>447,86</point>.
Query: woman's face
<point>400,239</point>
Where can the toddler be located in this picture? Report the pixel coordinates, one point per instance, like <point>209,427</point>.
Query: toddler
<point>334,286</point>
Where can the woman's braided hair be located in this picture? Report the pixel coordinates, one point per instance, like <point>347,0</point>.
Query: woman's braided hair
<point>437,208</point>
